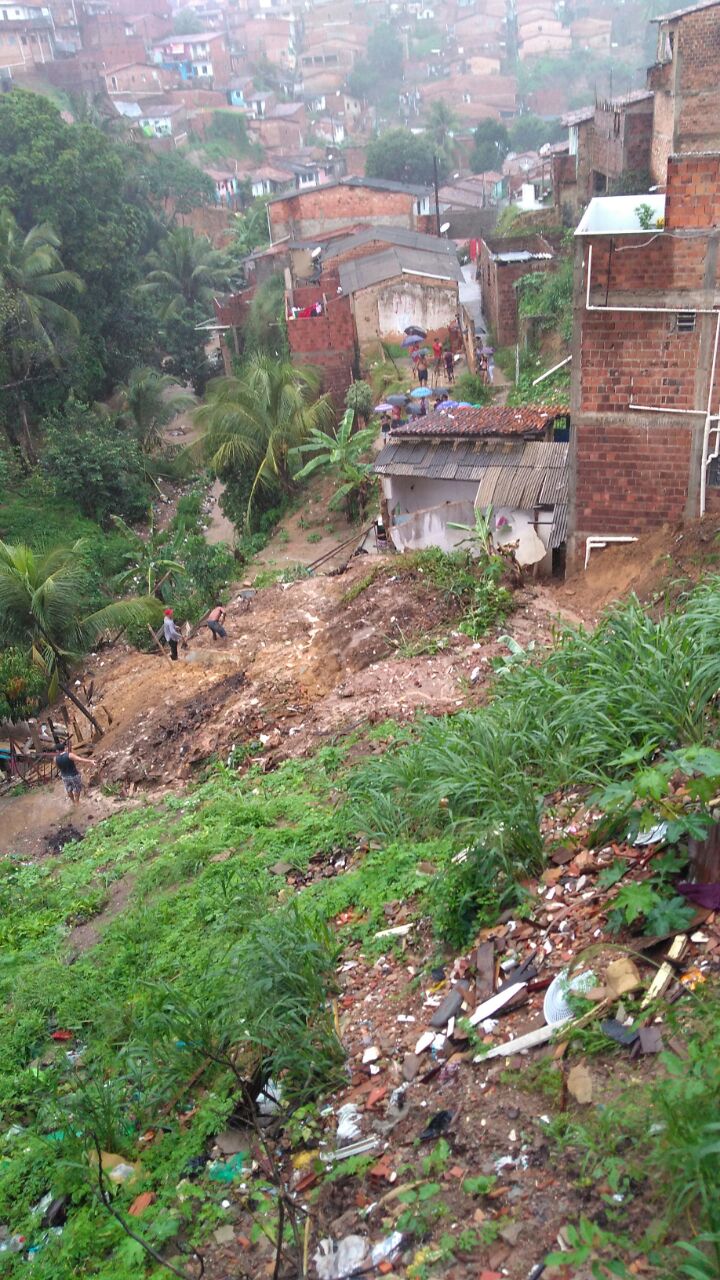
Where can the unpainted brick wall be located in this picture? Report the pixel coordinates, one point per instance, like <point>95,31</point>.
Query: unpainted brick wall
<point>631,476</point>
<point>327,342</point>
<point>633,470</point>
<point>308,213</point>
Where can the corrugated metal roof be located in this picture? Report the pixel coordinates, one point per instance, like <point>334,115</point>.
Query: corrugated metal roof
<point>360,273</point>
<point>515,473</point>
<point>390,235</point>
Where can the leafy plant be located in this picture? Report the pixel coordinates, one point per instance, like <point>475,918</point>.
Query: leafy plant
<point>342,452</point>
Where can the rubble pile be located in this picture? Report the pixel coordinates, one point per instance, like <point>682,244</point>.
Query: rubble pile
<point>443,1061</point>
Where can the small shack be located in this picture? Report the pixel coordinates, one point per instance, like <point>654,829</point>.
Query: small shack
<point>436,472</point>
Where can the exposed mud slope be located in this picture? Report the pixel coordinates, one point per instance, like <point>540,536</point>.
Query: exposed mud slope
<point>659,563</point>
<point>303,661</point>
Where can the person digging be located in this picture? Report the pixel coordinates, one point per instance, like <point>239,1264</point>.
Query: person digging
<point>214,623</point>
<point>171,634</point>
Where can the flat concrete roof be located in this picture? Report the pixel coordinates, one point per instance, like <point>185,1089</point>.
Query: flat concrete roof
<point>617,215</point>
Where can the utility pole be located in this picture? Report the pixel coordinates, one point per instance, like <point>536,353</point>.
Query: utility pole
<point>437,194</point>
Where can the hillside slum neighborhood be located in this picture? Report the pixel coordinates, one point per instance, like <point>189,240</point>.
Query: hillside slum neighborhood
<point>637,446</point>
<point>378,938</point>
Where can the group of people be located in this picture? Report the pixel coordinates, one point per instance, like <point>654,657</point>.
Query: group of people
<point>443,361</point>
<point>69,763</point>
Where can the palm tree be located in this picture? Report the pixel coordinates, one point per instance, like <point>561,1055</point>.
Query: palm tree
<point>442,122</point>
<point>343,451</point>
<point>185,272</point>
<point>150,557</point>
<point>146,404</point>
<point>44,603</point>
<point>252,422</point>
<point>32,320</point>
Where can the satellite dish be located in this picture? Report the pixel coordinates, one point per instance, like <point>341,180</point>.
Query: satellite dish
<point>316,253</point>
<point>445,227</point>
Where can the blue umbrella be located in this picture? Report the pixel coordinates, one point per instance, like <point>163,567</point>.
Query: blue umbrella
<point>449,404</point>
<point>420,393</point>
<point>411,341</point>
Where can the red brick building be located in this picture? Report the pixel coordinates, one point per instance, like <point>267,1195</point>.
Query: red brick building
<point>502,261</point>
<point>609,142</point>
<point>304,214</point>
<point>327,340</point>
<point>646,359</point>
<point>686,84</point>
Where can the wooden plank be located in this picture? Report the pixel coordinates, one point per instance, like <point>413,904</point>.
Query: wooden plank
<point>665,973</point>
<point>485,971</point>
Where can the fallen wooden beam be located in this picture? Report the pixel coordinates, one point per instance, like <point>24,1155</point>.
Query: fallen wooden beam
<point>665,973</point>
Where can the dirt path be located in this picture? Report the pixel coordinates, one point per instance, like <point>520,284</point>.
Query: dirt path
<point>220,529</point>
<point>30,820</point>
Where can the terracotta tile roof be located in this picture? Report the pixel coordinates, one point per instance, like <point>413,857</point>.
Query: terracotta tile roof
<point>490,420</point>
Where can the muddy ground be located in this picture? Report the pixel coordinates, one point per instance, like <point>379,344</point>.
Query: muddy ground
<point>304,663</point>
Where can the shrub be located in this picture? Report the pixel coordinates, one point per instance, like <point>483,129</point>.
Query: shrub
<point>93,463</point>
<point>22,686</point>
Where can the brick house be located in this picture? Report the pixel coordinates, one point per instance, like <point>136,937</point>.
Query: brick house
<point>645,373</point>
<point>203,57</point>
<point>136,78</point>
<point>27,37</point>
<point>305,214</point>
<point>397,287</point>
<point>502,261</point>
<point>327,340</point>
<point>686,84</point>
<point>436,471</point>
<point>607,142</point>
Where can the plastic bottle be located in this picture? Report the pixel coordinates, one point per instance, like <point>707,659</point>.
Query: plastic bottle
<point>15,1244</point>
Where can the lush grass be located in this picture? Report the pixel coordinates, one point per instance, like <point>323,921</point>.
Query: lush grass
<point>196,954</point>
<point>591,710</point>
<point>212,949</point>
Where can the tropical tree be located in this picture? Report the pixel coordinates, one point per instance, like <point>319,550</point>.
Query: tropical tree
<point>403,156</point>
<point>251,228</point>
<point>33,322</point>
<point>46,609</point>
<point>441,123</point>
<point>185,272</point>
<point>147,405</point>
<point>491,144</point>
<point>151,556</point>
<point>342,451</point>
<point>360,398</point>
<point>252,422</point>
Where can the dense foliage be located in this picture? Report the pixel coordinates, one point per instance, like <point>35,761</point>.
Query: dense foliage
<point>94,462</point>
<point>399,155</point>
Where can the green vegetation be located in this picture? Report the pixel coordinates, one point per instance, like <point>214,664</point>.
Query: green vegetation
<point>596,706</point>
<point>491,144</point>
<point>159,998</point>
<point>660,1137</point>
<point>547,297</point>
<point>403,156</point>
<point>93,463</point>
<point>379,75</point>
<point>251,424</point>
<point>342,451</point>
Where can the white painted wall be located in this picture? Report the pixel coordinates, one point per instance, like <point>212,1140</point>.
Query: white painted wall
<point>407,302</point>
<point>429,528</point>
<point>409,493</point>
